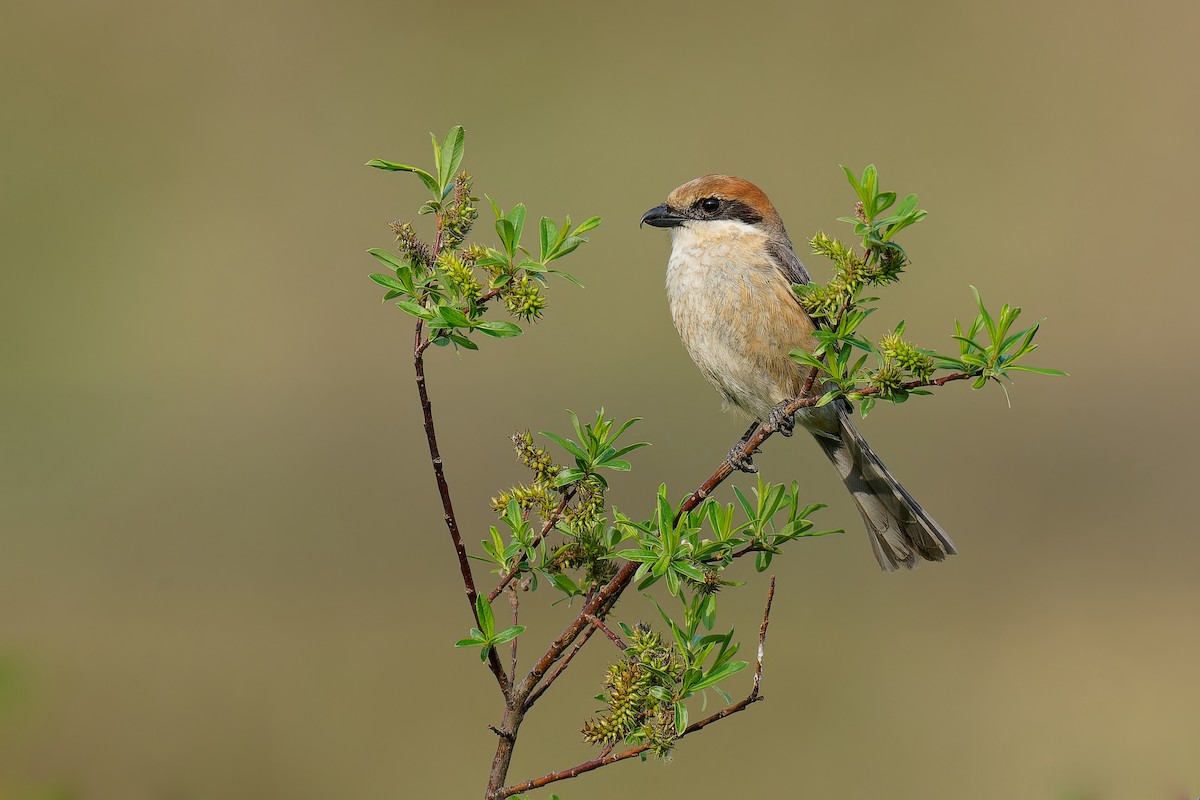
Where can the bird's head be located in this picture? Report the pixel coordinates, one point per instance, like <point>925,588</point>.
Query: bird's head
<point>716,199</point>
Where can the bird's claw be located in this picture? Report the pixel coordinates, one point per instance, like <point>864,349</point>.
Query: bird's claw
<point>780,420</point>
<point>739,460</point>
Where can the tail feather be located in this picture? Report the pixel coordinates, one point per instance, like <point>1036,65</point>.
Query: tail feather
<point>902,533</point>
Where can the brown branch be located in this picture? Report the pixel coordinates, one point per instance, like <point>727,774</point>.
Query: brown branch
<point>762,640</point>
<point>598,623</point>
<point>606,757</point>
<point>562,665</point>
<point>551,521</point>
<point>513,601</point>
<point>806,389</point>
<point>439,473</point>
<point>610,591</point>
<point>765,432</point>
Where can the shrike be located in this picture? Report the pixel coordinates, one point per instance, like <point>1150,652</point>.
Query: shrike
<point>729,284</point>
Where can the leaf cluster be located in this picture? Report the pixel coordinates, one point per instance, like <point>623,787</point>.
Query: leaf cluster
<point>875,231</point>
<point>845,362</point>
<point>594,448</point>
<point>448,285</point>
<point>587,541</point>
<point>486,636</point>
<point>1000,354</point>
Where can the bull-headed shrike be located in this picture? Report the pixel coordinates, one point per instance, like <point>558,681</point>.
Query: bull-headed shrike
<point>729,284</point>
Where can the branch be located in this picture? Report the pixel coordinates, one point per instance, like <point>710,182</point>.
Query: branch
<point>598,623</point>
<point>562,665</point>
<point>610,591</point>
<point>513,601</point>
<point>750,445</point>
<point>464,565</point>
<point>606,758</point>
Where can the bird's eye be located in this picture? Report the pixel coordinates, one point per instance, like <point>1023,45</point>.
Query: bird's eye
<point>710,204</point>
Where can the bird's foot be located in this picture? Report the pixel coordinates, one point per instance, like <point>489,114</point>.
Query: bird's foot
<point>739,460</point>
<point>779,420</point>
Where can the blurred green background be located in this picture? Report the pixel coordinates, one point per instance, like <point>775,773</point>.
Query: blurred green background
<point>224,572</point>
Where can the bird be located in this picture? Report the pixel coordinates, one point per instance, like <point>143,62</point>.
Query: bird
<point>729,286</point>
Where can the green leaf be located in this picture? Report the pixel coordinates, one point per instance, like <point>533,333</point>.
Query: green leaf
<point>437,159</point>
<point>719,674</point>
<point>508,634</point>
<point>387,281</point>
<point>688,570</point>
<point>566,276</point>
<point>569,476</point>
<point>630,448</point>
<point>415,309</point>
<point>429,181</point>
<point>1037,370</point>
<point>387,258</point>
<point>807,359</point>
<point>883,201</point>
<point>747,508</point>
<point>850,176</point>
<point>452,156</point>
<point>868,186</point>
<point>454,317</point>
<point>988,322</point>
<point>564,584</point>
<point>548,235</point>
<point>470,643</point>
<point>587,225</point>
<point>517,218</point>
<point>566,444</point>
<point>508,235</point>
<point>483,613</point>
<point>681,718</point>
<point>498,328</point>
<point>828,397</point>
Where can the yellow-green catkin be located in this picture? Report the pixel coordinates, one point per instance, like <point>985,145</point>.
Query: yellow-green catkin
<point>633,712</point>
<point>459,273</point>
<point>524,299</point>
<point>415,251</point>
<point>540,494</point>
<point>459,213</point>
<point>894,348</point>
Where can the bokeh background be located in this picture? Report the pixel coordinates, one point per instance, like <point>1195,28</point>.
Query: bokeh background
<point>224,572</point>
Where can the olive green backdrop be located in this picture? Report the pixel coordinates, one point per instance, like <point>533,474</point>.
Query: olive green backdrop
<point>224,572</point>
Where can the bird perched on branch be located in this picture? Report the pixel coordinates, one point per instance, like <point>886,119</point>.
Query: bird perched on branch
<point>729,284</point>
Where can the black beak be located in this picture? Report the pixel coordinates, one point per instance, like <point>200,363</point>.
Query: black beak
<point>662,217</point>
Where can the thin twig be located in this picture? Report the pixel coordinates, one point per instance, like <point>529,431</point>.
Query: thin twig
<point>806,389</point>
<point>562,665</point>
<point>762,640</point>
<point>464,565</point>
<point>606,757</point>
<point>551,521</point>
<point>513,601</point>
<point>766,431</point>
<point>598,623</point>
<point>533,697</point>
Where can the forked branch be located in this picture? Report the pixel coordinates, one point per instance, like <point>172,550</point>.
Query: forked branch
<point>607,757</point>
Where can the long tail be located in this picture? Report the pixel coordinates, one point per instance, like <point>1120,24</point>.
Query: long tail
<point>901,532</point>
